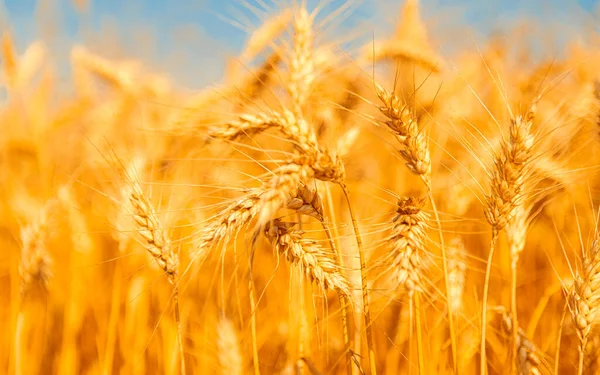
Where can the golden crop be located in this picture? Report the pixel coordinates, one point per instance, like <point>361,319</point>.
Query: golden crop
<point>385,210</point>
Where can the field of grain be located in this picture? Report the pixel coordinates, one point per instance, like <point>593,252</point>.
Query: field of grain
<point>322,208</point>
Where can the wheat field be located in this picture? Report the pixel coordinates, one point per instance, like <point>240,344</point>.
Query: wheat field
<point>330,205</point>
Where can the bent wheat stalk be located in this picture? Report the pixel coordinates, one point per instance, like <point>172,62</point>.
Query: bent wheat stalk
<point>364,282</point>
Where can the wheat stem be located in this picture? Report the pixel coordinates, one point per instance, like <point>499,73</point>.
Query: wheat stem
<point>179,332</point>
<point>562,322</point>
<point>365,286</point>
<point>253,315</point>
<point>344,305</point>
<point>417,304</point>
<point>446,281</point>
<point>513,311</point>
<point>488,270</point>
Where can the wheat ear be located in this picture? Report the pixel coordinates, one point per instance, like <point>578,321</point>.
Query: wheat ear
<point>159,245</point>
<point>302,69</point>
<point>36,263</point>
<point>318,265</point>
<point>407,243</point>
<point>527,359</point>
<point>308,202</point>
<point>508,178</point>
<point>584,297</point>
<point>228,348</point>
<point>415,151</point>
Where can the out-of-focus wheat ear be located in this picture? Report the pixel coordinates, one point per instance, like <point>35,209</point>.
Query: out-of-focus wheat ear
<point>302,69</point>
<point>509,176</point>
<point>456,273</point>
<point>257,82</point>
<point>584,297</point>
<point>528,359</point>
<point>347,141</point>
<point>36,264</point>
<point>410,41</point>
<point>306,254</point>
<point>229,353</point>
<point>36,272</point>
<point>80,235</point>
<point>266,33</point>
<point>9,61</point>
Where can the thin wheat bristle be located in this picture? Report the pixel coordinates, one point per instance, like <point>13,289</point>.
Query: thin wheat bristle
<point>318,265</point>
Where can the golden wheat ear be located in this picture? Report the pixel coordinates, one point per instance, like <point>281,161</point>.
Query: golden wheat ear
<point>159,245</point>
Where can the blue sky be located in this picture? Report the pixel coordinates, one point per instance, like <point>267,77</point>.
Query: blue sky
<point>190,38</point>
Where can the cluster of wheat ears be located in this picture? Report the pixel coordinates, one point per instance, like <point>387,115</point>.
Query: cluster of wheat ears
<point>387,209</point>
